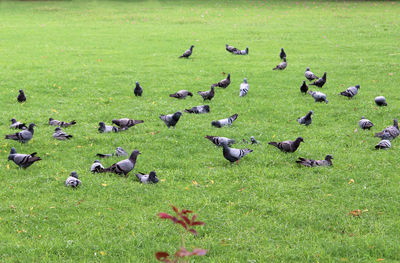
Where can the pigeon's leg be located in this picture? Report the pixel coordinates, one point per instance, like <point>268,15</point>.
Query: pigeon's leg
<point>237,161</point>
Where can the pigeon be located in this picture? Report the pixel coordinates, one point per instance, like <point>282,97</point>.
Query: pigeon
<point>61,135</point>
<point>232,154</point>
<point>182,94</point>
<point>23,136</point>
<point>380,101</point>
<point>282,55</point>
<point>96,167</point>
<point>365,124</point>
<point>22,160</point>
<point>17,125</point>
<point>350,92</point>
<point>225,122</point>
<point>124,166</point>
<point>54,122</point>
<point>223,83</point>
<point>199,109</point>
<point>304,87</point>
<point>318,96</point>
<point>242,52</point>
<point>118,152</point>
<point>147,178</point>
<point>207,95</point>
<point>125,123</point>
<point>288,146</point>
<point>252,140</point>
<point>390,133</point>
<point>138,90</point>
<point>309,75</point>
<point>21,96</point>
<point>106,128</point>
<point>313,163</point>
<point>282,65</point>
<point>306,120</point>
<point>171,119</point>
<point>244,88</point>
<point>73,180</point>
<point>230,49</point>
<point>187,52</point>
<point>220,140</point>
<point>320,82</point>
<point>383,144</point>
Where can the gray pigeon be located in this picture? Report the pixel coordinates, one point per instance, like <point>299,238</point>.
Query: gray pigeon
<point>225,122</point>
<point>350,92</point>
<point>318,96</point>
<point>380,101</point>
<point>22,160</point>
<point>220,140</point>
<point>126,123</point>
<point>23,136</point>
<point>208,94</point>
<point>103,128</point>
<point>199,109</point>
<point>96,167</point>
<point>61,135</point>
<point>187,53</point>
<point>244,88</point>
<point>320,82</point>
<point>118,152</point>
<point>147,178</point>
<point>124,166</point>
<point>223,83</point>
<point>314,163</point>
<point>54,122</point>
<point>182,94</point>
<point>252,140</point>
<point>73,180</point>
<point>138,90</point>
<point>282,65</point>
<point>230,49</point>
<point>365,124</point>
<point>171,119</point>
<point>288,146</point>
<point>383,144</point>
<point>390,133</point>
<point>241,52</point>
<point>17,125</point>
<point>306,120</point>
<point>309,75</point>
<point>232,154</point>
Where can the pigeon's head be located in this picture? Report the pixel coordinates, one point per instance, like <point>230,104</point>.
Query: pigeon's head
<point>135,154</point>
<point>191,47</point>
<point>21,91</point>
<point>207,107</point>
<point>324,76</point>
<point>308,69</point>
<point>214,123</point>
<point>50,119</point>
<point>310,92</point>
<point>212,88</point>
<point>281,48</point>
<point>12,151</point>
<point>153,177</point>
<point>31,125</point>
<point>229,76</point>
<point>57,129</point>
<point>74,174</point>
<point>102,124</point>
<point>362,117</point>
<point>177,115</point>
<point>300,139</point>
<point>311,112</point>
<point>245,80</point>
<point>252,138</point>
<point>137,83</point>
<point>395,123</point>
<point>328,157</point>
<point>357,86</point>
<point>13,120</point>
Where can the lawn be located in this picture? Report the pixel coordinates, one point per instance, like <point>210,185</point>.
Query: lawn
<point>79,60</point>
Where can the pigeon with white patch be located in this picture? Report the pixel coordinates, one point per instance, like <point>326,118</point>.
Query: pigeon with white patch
<point>383,144</point>
<point>103,128</point>
<point>61,135</point>
<point>118,152</point>
<point>171,119</point>
<point>223,83</point>
<point>188,52</point>
<point>252,140</point>
<point>147,178</point>
<point>199,109</point>
<point>96,167</point>
<point>220,140</point>
<point>309,75</point>
<point>242,52</point>
<point>138,90</point>
<point>225,122</point>
<point>232,154</point>
<point>304,88</point>
<point>182,94</point>
<point>244,88</point>
<point>281,66</point>
<point>390,133</point>
<point>365,124</point>
<point>208,94</point>
<point>380,101</point>
<point>288,146</point>
<point>306,120</point>
<point>54,122</point>
<point>23,136</point>
<point>318,96</point>
<point>21,96</point>
<point>314,163</point>
<point>22,160</point>
<point>320,82</point>
<point>17,125</point>
<point>230,49</point>
<point>350,92</point>
<point>125,123</point>
<point>73,180</point>
<point>124,166</point>
<point>282,55</point>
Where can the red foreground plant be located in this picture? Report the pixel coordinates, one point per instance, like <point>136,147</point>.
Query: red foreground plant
<point>188,224</point>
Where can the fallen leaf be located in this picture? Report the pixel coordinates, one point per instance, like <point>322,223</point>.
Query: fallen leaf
<point>163,180</point>
<point>102,253</point>
<point>104,185</point>
<point>241,189</point>
<point>357,212</point>
<point>351,181</point>
<point>380,259</point>
<point>212,181</point>
<point>194,182</point>
<point>53,110</point>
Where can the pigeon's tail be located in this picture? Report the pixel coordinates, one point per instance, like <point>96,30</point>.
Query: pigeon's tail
<point>214,85</point>
<point>72,122</point>
<point>21,126</point>
<point>189,111</point>
<point>12,137</point>
<point>274,144</point>
<point>35,159</point>
<point>104,155</point>
<point>312,84</point>
<point>275,68</point>
<point>174,95</point>
<point>69,136</point>
<point>110,169</point>
<point>345,93</point>
<point>379,134</point>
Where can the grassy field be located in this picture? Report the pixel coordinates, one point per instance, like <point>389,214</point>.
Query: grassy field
<point>79,60</point>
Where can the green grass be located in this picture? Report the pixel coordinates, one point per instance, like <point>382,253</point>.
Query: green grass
<point>79,60</point>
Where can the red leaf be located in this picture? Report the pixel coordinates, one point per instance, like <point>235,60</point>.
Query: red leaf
<point>162,256</point>
<point>193,231</point>
<point>194,218</point>
<point>199,251</point>
<point>182,252</point>
<point>198,223</point>
<point>165,216</point>
<point>181,223</point>
<point>175,209</point>
<point>184,211</point>
<point>187,221</point>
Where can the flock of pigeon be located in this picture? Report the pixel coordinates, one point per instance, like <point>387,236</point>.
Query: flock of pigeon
<point>231,154</point>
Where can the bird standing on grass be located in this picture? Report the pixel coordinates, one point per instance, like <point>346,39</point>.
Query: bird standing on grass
<point>61,135</point>
<point>96,167</point>
<point>21,96</point>
<point>126,123</point>
<point>230,49</point>
<point>208,94</point>
<point>187,53</point>
<point>220,140</point>
<point>288,146</point>
<point>17,125</point>
<point>147,178</point>
<point>73,180</point>
<point>244,88</point>
<point>22,136</point>
<point>171,119</point>
<point>281,66</point>
<point>314,163</point>
<point>306,120</point>
<point>318,96</point>
<point>320,82</point>
<point>232,154</point>
<point>182,94</point>
<point>383,144</point>
<point>124,166</point>
<point>223,83</point>
<point>225,122</point>
<point>365,124</point>
<point>309,75</point>
<point>380,101</point>
<point>22,160</point>
<point>54,122</point>
<point>242,52</point>
<point>389,133</point>
<point>304,88</point>
<point>138,90</point>
<point>103,128</point>
<point>282,55</point>
<point>199,109</point>
<point>350,92</point>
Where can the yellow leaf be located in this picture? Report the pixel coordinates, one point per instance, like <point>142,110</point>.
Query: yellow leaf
<point>163,180</point>
<point>194,182</point>
<point>53,110</point>
<point>8,167</point>
<point>351,181</point>
<point>212,181</point>
<point>273,136</point>
<point>133,233</point>
<point>103,253</point>
<point>79,146</point>
<point>39,236</point>
<point>186,188</point>
<point>104,185</point>
<point>380,259</point>
<point>52,207</point>
<point>59,87</point>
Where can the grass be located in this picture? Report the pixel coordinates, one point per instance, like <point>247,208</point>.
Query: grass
<point>80,59</point>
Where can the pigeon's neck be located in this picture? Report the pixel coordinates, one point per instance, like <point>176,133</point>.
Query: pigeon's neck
<point>329,161</point>
<point>133,158</point>
<point>396,124</point>
<point>324,77</point>
<point>30,129</point>
<point>308,115</point>
<point>296,143</point>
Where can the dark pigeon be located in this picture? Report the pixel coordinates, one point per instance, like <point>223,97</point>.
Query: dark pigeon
<point>318,96</point>
<point>230,49</point>
<point>288,146</point>
<point>365,124</point>
<point>207,95</point>
<point>103,128</point>
<point>182,94</point>
<point>199,109</point>
<point>306,120</point>
<point>17,125</point>
<point>188,52</point>
<point>223,83</point>
<point>125,123</point>
<point>138,90</point>
<point>22,160</point>
<point>220,140</point>
<point>171,119</point>
<point>124,166</point>
<point>390,133</point>
<point>304,87</point>
<point>61,135</point>
<point>282,55</point>
<point>225,122</point>
<point>21,96</point>
<point>23,136</point>
<point>96,167</point>
<point>314,163</point>
<point>147,178</point>
<point>54,122</point>
<point>309,75</point>
<point>232,154</point>
<point>281,66</point>
<point>73,180</point>
<point>242,52</point>
<point>320,82</point>
<point>383,144</point>
<point>350,92</point>
<point>380,101</point>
